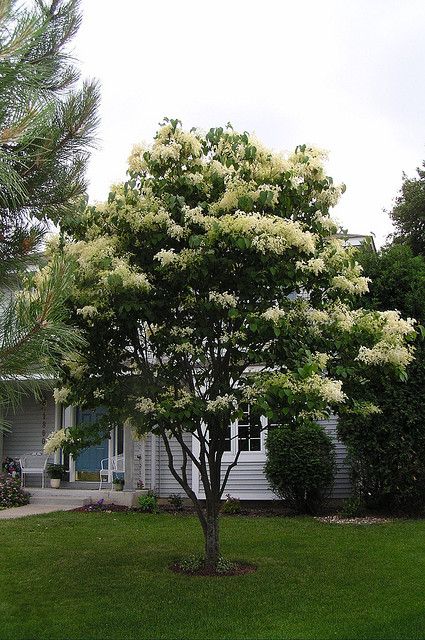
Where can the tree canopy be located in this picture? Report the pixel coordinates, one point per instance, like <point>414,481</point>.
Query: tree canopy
<point>213,279</point>
<point>387,449</point>
<point>408,213</point>
<point>47,122</point>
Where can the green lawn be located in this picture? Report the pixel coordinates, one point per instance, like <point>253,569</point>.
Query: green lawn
<point>100,575</point>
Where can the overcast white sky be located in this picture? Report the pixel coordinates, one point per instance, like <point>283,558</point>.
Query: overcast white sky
<point>348,76</point>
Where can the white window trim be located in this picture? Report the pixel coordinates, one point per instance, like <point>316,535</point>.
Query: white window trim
<point>228,456</point>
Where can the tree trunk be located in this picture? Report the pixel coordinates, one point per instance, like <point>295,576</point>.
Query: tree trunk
<point>212,540</point>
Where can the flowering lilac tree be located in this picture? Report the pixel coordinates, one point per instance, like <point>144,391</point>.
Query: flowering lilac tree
<point>213,278</point>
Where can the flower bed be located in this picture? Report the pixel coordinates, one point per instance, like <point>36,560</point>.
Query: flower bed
<point>11,493</point>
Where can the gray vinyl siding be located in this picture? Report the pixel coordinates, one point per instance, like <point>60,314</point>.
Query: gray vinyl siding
<point>248,481</point>
<point>342,485</point>
<point>167,483</point>
<point>26,427</point>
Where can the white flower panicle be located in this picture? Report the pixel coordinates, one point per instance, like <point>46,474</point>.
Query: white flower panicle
<point>314,265</point>
<point>267,233</point>
<point>166,257</point>
<point>386,353</point>
<point>274,314</point>
<point>222,403</point>
<point>56,440</point>
<point>61,395</point>
<point>224,300</point>
<point>395,325</point>
<point>353,284</point>
<point>184,401</point>
<point>88,312</point>
<point>145,406</point>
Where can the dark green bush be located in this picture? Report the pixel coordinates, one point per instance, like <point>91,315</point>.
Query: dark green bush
<point>300,465</point>
<point>387,450</point>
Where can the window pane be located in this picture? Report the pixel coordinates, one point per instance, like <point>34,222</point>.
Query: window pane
<point>255,445</point>
<point>249,430</point>
<point>227,441</point>
<point>243,445</point>
<point>255,431</point>
<point>120,440</point>
<point>243,432</point>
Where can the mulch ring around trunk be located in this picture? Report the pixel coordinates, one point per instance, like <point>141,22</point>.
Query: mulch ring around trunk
<point>236,569</point>
<point>366,520</point>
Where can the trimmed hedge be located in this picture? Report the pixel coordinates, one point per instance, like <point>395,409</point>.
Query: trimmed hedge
<point>300,465</point>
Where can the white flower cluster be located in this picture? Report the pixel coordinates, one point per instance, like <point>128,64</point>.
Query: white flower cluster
<point>88,312</point>
<point>321,359</point>
<point>351,284</point>
<point>250,393</point>
<point>184,348</point>
<point>90,254</point>
<point>61,395</point>
<point>56,440</point>
<point>136,162</point>
<point>384,352</point>
<point>329,390</point>
<point>130,278</point>
<point>222,403</point>
<point>184,401</point>
<point>326,222</point>
<point>274,314</point>
<point>395,325</point>
<point>145,406</point>
<point>181,332</point>
<point>267,233</point>
<point>166,257</point>
<point>196,216</point>
<point>169,144</point>
<point>76,364</point>
<point>314,265</point>
<point>225,299</point>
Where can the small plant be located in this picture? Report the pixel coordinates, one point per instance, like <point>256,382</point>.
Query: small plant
<point>11,493</point>
<point>191,564</point>
<point>352,507</point>
<point>231,505</point>
<point>176,501</point>
<point>196,564</point>
<point>149,503</point>
<point>56,471</point>
<point>140,484</point>
<point>225,566</point>
<point>11,467</point>
<point>118,481</point>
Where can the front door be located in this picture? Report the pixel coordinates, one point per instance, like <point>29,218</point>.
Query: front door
<point>87,464</point>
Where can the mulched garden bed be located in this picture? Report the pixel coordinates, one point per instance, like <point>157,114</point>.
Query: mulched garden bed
<point>327,516</point>
<point>105,508</point>
<point>337,519</point>
<point>239,569</point>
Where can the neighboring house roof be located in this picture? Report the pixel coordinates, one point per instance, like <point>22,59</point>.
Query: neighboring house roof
<point>357,239</point>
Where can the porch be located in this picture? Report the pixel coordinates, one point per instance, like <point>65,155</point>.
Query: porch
<point>69,495</point>
<point>34,420</point>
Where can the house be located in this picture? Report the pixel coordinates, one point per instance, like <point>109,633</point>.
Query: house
<point>146,461</point>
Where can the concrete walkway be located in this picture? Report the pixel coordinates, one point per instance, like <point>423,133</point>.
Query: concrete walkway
<point>34,510</point>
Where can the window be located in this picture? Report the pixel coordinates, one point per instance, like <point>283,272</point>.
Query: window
<point>246,432</point>
<point>249,430</point>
